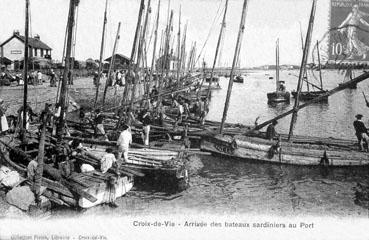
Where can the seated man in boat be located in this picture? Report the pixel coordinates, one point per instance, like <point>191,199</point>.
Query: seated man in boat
<point>124,140</point>
<point>282,87</point>
<point>271,133</point>
<point>107,161</point>
<point>361,132</point>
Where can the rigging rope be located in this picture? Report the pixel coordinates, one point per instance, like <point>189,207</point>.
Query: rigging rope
<point>217,15</point>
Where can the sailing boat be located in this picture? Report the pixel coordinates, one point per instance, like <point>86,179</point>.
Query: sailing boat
<point>280,94</point>
<point>297,150</point>
<point>309,95</point>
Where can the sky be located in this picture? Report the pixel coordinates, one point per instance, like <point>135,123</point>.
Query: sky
<point>266,20</point>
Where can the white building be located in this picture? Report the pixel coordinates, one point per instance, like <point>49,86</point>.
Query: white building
<point>13,48</point>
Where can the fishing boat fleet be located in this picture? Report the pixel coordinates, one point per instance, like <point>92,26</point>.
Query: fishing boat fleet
<point>149,131</point>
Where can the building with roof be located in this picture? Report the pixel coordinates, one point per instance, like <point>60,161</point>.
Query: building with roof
<point>120,61</point>
<point>13,48</point>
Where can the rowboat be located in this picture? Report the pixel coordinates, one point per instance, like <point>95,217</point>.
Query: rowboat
<point>238,79</point>
<point>310,95</point>
<point>278,97</point>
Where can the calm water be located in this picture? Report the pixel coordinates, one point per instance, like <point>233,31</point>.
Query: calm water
<point>223,186</point>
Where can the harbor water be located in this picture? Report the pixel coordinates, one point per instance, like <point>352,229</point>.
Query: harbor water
<point>229,186</point>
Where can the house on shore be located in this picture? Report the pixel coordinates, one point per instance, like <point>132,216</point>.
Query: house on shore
<point>120,61</point>
<point>13,49</point>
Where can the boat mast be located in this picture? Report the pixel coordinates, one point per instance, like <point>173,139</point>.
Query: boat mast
<point>305,74</point>
<point>101,53</point>
<point>63,90</point>
<point>112,63</point>
<point>183,49</point>
<point>319,68</point>
<point>277,66</point>
<point>179,46</point>
<point>218,45</point>
<point>139,55</point>
<point>166,50</point>
<point>25,70</point>
<point>133,51</point>
<point>154,48</point>
<point>235,57</point>
<point>302,68</point>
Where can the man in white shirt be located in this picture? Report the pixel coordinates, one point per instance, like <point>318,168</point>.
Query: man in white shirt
<point>107,160</point>
<point>125,139</point>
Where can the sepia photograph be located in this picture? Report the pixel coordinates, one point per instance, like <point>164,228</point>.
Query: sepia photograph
<point>184,119</point>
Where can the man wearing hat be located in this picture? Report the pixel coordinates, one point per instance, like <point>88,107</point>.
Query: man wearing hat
<point>361,132</point>
<point>271,132</point>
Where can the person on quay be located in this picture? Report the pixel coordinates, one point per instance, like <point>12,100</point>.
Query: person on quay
<point>39,77</point>
<point>271,133</point>
<point>361,132</point>
<point>52,78</point>
<point>124,140</point>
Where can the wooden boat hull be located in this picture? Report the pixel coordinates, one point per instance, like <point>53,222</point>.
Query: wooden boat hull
<point>261,150</point>
<point>307,96</point>
<point>101,192</point>
<point>238,79</point>
<point>214,80</point>
<point>277,97</point>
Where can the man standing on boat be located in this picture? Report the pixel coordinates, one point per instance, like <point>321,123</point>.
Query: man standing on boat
<point>146,122</point>
<point>361,132</point>
<point>99,118</point>
<point>124,140</point>
<point>3,122</point>
<point>271,133</point>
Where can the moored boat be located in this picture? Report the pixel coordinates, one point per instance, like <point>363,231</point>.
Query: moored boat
<point>310,95</point>
<point>280,94</point>
<point>318,152</point>
<point>238,79</point>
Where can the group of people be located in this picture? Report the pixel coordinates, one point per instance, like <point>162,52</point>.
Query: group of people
<point>33,78</point>
<point>117,78</point>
